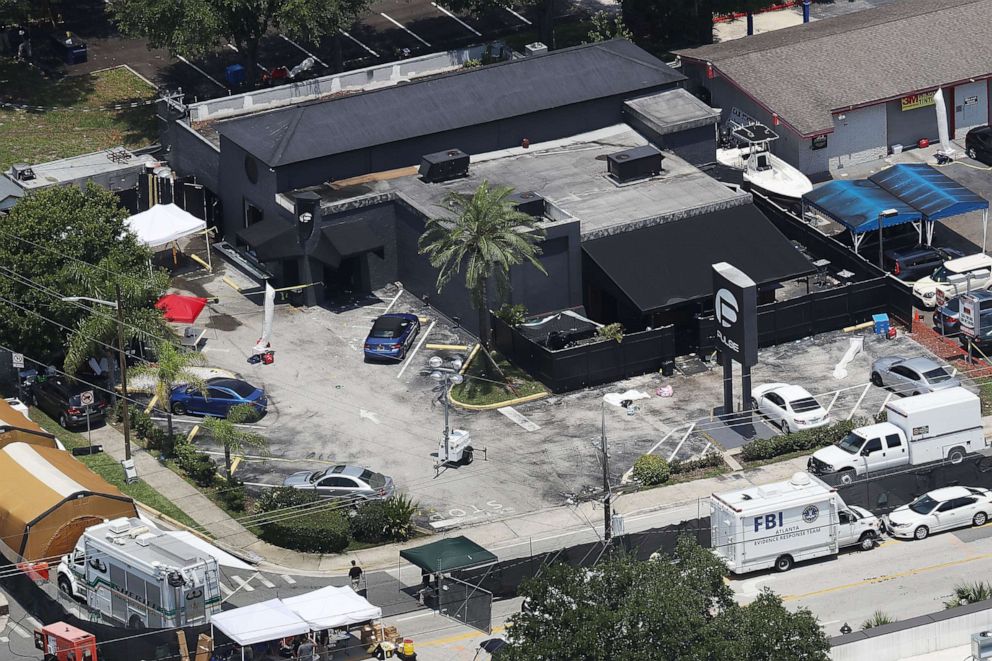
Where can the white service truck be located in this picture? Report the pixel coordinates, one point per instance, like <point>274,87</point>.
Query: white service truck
<point>777,525</point>
<point>946,424</point>
<point>140,576</point>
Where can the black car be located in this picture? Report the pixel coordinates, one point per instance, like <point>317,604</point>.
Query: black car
<point>60,399</point>
<point>945,317</point>
<point>918,262</point>
<point>978,144</point>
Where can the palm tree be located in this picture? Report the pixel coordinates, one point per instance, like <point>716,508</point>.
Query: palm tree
<point>234,439</point>
<point>174,367</point>
<point>487,237</point>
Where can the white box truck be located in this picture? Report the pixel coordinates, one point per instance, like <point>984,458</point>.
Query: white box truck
<point>946,424</point>
<point>139,576</point>
<point>777,525</point>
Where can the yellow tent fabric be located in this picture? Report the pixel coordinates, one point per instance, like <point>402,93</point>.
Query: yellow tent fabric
<point>15,427</point>
<point>47,499</point>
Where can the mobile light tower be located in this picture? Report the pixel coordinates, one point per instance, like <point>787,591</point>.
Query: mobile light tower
<point>454,447</point>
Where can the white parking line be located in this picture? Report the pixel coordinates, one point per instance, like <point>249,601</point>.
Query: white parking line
<point>409,359</point>
<point>414,617</point>
<point>887,398</point>
<point>266,582</point>
<point>242,583</point>
<point>658,444</point>
<point>858,403</point>
<point>285,38</point>
<point>404,28</point>
<point>460,21</point>
<point>679,446</point>
<point>833,401</point>
<point>226,590</point>
<point>235,49</point>
<point>374,54</point>
<point>289,579</point>
<point>207,75</point>
<point>393,302</point>
<point>517,15</point>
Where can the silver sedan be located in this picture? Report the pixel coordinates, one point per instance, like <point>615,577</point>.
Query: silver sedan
<point>912,376</point>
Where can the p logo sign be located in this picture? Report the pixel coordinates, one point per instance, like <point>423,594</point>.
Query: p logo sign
<point>726,308</point>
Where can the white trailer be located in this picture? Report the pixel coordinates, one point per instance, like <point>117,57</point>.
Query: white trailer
<point>139,576</point>
<point>777,525</point>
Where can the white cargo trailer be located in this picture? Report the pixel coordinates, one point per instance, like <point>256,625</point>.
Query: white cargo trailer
<point>777,525</point>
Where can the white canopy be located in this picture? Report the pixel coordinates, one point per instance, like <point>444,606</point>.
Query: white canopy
<point>332,607</point>
<point>266,620</point>
<point>163,224</point>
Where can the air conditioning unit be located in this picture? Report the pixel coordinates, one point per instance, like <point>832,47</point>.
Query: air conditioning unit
<point>981,645</point>
<point>22,172</point>
<point>636,163</point>
<point>536,48</point>
<point>527,202</point>
<point>444,165</point>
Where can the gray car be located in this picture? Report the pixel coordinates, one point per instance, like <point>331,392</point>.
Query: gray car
<point>351,482</point>
<point>912,376</point>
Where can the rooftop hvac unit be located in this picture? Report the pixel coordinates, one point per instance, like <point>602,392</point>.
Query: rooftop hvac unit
<point>981,645</point>
<point>22,172</point>
<point>527,202</point>
<point>636,163</point>
<point>536,48</point>
<point>444,165</point>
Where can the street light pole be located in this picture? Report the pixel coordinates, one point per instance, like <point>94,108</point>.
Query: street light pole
<point>448,375</point>
<point>607,504</point>
<point>122,359</point>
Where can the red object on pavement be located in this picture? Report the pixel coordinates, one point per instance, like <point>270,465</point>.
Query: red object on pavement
<point>64,642</point>
<point>181,309</point>
<point>892,333</point>
<point>923,143</point>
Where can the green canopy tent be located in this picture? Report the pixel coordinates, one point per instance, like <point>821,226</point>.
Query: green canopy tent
<point>448,555</point>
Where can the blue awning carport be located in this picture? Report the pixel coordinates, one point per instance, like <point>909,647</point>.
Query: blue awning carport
<point>931,192</point>
<point>861,206</point>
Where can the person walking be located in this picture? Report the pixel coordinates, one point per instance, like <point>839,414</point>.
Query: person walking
<point>307,651</point>
<point>355,574</point>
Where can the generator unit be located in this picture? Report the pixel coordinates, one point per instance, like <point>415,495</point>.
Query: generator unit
<point>62,642</point>
<point>527,202</point>
<point>981,645</point>
<point>21,172</point>
<point>444,165</point>
<point>632,164</point>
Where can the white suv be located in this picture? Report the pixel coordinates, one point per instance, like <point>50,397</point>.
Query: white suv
<point>955,277</point>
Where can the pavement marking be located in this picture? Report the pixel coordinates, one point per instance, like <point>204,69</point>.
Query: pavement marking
<point>19,630</point>
<point>679,446</point>
<point>887,398</point>
<point>393,302</point>
<point>460,637</point>
<point>368,415</point>
<point>519,418</point>
<point>4,639</point>
<point>414,617</point>
<point>887,577</point>
<point>266,582</point>
<point>460,21</point>
<point>289,579</point>
<point>285,38</point>
<point>709,444</point>
<point>211,78</point>
<point>404,28</point>
<point>518,15</point>
<point>374,54</point>
<point>834,400</point>
<point>242,583</point>
<point>409,358</point>
<point>226,590</point>
<point>658,444</point>
<point>262,484</point>
<point>858,403</point>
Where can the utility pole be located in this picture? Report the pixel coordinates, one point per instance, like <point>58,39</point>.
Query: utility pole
<point>122,359</point>
<point>607,511</point>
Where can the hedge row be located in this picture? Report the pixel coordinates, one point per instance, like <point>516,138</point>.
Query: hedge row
<point>651,470</point>
<point>807,440</point>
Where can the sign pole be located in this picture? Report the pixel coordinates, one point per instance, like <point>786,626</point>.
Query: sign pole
<point>728,384</point>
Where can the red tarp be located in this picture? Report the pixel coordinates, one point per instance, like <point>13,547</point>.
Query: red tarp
<point>181,309</point>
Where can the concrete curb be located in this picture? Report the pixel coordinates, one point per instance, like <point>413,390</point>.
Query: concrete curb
<point>497,405</point>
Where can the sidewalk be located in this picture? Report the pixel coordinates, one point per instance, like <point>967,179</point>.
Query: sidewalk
<point>511,537</point>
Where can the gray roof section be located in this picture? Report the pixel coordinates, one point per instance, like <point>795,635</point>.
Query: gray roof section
<point>672,111</point>
<point>448,102</point>
<point>571,176</point>
<point>806,71</point>
<point>85,166</point>
<point>10,192</point>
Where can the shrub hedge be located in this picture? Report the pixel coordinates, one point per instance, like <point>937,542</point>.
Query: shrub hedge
<point>389,520</point>
<point>807,440</point>
<point>312,526</point>
<point>651,470</point>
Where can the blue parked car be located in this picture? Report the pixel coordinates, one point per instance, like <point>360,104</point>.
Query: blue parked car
<point>391,336</point>
<point>221,394</point>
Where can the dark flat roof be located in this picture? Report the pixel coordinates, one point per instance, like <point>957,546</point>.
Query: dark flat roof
<point>668,264</point>
<point>806,71</point>
<point>448,102</point>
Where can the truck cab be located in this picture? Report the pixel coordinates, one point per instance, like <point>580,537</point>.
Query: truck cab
<point>865,449</point>
<point>857,526</point>
<point>72,573</point>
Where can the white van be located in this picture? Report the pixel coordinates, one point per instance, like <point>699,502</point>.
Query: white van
<point>955,277</point>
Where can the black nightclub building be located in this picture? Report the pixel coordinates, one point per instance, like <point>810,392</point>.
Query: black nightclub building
<point>329,192</point>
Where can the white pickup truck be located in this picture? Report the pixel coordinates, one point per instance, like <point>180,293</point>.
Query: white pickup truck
<point>946,424</point>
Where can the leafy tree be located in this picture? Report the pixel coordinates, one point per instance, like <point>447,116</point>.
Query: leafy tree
<point>40,239</point>
<point>677,607</point>
<point>664,25</point>
<point>608,25</point>
<point>234,438</point>
<point>487,237</point>
<point>197,27</point>
<point>172,368</point>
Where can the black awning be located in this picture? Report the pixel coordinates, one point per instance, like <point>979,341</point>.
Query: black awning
<point>671,263</point>
<point>346,240</point>
<point>271,239</point>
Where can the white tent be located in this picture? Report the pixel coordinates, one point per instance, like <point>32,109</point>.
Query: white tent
<point>163,224</point>
<point>332,607</point>
<point>258,623</point>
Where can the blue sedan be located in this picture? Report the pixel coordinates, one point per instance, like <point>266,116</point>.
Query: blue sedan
<point>218,397</point>
<point>391,336</point>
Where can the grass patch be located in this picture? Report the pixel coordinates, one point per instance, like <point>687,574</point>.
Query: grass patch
<point>109,469</point>
<point>985,395</point>
<point>36,137</point>
<point>484,385</point>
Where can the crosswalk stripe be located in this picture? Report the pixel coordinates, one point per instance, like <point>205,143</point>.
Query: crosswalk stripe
<point>266,582</point>
<point>226,590</point>
<point>242,583</point>
<point>19,630</point>
<point>35,623</point>
<point>289,579</point>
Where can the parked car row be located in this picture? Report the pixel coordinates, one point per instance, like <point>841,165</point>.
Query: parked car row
<point>953,278</point>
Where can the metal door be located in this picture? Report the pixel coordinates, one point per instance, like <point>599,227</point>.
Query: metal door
<point>466,603</point>
<point>971,107</point>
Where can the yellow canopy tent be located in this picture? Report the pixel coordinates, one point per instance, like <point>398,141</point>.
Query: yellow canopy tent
<point>16,428</point>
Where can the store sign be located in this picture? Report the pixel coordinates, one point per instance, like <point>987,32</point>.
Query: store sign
<point>970,100</point>
<point>968,316</point>
<point>818,142</point>
<point>735,307</point>
<point>914,101</point>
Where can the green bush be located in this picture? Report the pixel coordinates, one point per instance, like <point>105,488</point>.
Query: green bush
<point>709,460</point>
<point>199,466</point>
<point>807,440</point>
<point>232,494</point>
<point>389,520</point>
<point>512,315</point>
<point>651,470</point>
<point>313,526</point>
